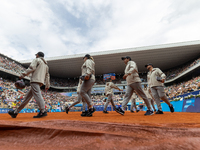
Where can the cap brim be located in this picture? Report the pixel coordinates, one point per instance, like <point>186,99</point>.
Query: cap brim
<point>146,66</point>
<point>123,58</point>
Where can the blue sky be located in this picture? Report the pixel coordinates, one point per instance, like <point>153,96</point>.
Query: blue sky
<point>66,27</point>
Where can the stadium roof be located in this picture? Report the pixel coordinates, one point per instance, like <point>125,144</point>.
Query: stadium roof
<point>164,56</point>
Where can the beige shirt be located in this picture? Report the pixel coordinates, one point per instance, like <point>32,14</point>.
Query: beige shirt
<point>109,88</point>
<point>40,72</point>
<point>152,75</point>
<point>88,68</point>
<point>79,86</point>
<point>132,71</point>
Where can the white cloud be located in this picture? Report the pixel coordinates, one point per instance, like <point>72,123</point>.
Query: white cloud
<point>66,27</point>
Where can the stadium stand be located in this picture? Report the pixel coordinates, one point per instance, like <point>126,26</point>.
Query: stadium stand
<point>55,100</point>
<point>9,65</point>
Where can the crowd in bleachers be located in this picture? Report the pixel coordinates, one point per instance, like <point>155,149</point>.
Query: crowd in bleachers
<point>184,87</point>
<point>10,65</point>
<point>10,97</point>
<point>15,67</point>
<point>58,82</point>
<point>180,69</point>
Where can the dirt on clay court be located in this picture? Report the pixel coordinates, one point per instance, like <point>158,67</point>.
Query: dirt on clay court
<point>102,131</point>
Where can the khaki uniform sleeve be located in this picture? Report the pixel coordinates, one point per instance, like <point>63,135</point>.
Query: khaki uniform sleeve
<point>114,86</point>
<point>132,68</point>
<point>162,75</point>
<point>32,67</point>
<point>88,64</point>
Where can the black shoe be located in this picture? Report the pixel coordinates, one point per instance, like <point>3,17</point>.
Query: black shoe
<point>40,115</point>
<point>93,110</point>
<point>105,112</point>
<point>12,113</point>
<point>137,110</point>
<point>132,111</point>
<point>67,110</point>
<point>148,113</point>
<point>171,108</point>
<point>84,114</point>
<point>120,111</point>
<point>90,112</point>
<point>159,112</point>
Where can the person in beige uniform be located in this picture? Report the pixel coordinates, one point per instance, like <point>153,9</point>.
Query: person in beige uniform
<point>150,98</point>
<point>88,77</point>
<point>133,84</point>
<point>133,103</point>
<point>79,99</point>
<point>156,79</point>
<point>109,93</point>
<point>40,76</point>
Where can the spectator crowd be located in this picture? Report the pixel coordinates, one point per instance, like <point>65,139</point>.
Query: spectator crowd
<point>10,97</point>
<point>15,67</point>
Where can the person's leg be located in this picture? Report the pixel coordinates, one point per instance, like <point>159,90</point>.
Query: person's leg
<point>161,93</point>
<point>129,92</point>
<point>156,97</point>
<point>152,104</point>
<point>86,86</point>
<point>138,88</point>
<point>112,102</point>
<point>25,101</point>
<point>79,98</point>
<point>107,102</point>
<point>89,92</point>
<point>132,104</point>
<point>84,105</point>
<point>38,96</point>
<point>84,112</point>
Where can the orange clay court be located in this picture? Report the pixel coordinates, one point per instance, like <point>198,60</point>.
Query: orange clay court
<point>102,131</point>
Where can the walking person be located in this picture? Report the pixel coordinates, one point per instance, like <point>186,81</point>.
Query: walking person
<point>150,98</point>
<point>88,77</point>
<point>133,84</point>
<point>109,93</point>
<point>156,79</point>
<point>40,74</point>
<point>133,102</point>
<point>79,99</point>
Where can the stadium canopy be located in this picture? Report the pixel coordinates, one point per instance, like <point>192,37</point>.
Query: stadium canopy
<point>164,56</point>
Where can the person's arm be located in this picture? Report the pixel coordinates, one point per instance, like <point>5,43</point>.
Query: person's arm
<point>115,87</point>
<point>162,75</point>
<point>149,90</point>
<point>88,64</point>
<point>30,69</point>
<point>132,68</point>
